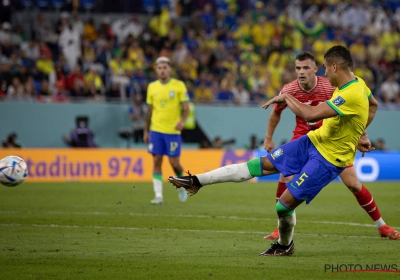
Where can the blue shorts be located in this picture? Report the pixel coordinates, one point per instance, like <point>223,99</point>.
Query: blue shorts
<point>165,144</point>
<point>313,171</point>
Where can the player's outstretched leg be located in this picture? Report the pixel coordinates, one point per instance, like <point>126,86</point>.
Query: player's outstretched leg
<point>229,173</point>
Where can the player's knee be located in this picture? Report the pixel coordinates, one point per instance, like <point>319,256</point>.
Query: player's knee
<point>282,210</point>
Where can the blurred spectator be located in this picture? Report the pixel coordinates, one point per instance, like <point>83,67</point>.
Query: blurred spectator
<point>358,50</point>
<point>319,47</point>
<point>11,141</point>
<point>139,82</point>
<point>390,90</point>
<point>242,96</point>
<point>374,51</point>
<point>120,72</point>
<point>46,66</point>
<point>77,24</point>
<point>16,90</point>
<point>190,65</point>
<point>105,55</point>
<point>180,53</point>
<point>208,17</point>
<point>5,33</point>
<point>191,41</point>
<point>159,23</point>
<point>202,94</point>
<point>217,143</point>
<point>17,36</point>
<point>137,114</point>
<point>44,90</point>
<point>380,145</point>
<point>89,31</point>
<point>225,95</point>
<point>70,44</point>
<point>196,22</point>
<point>31,49</point>
<point>94,83</point>
<point>259,96</point>
<point>75,77</point>
<point>105,29</point>
<point>253,144</point>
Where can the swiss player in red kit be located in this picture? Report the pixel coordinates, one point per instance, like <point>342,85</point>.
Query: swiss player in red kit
<point>311,89</point>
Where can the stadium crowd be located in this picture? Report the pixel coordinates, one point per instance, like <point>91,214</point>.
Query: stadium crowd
<point>224,54</point>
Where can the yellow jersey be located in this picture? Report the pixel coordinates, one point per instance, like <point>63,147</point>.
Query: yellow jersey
<point>166,100</point>
<point>338,137</point>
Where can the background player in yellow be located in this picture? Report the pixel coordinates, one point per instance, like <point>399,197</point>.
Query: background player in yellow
<point>168,109</point>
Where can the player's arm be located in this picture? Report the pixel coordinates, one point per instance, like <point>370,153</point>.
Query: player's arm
<point>373,106</point>
<point>306,112</point>
<point>185,114</point>
<point>364,144</point>
<point>273,121</point>
<point>147,124</point>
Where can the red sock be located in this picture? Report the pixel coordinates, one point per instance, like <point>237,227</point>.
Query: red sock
<point>367,202</point>
<point>280,189</point>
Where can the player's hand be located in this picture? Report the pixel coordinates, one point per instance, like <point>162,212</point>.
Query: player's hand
<point>364,145</point>
<point>279,99</point>
<point>179,125</point>
<point>269,144</point>
<point>146,137</point>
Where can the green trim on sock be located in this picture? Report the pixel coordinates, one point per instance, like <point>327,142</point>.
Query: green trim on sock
<point>157,176</point>
<point>179,174</point>
<point>283,211</point>
<point>255,167</point>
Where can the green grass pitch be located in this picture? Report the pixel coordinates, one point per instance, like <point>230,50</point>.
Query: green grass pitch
<point>110,231</point>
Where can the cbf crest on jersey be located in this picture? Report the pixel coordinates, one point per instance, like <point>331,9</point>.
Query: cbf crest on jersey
<point>277,153</point>
<point>338,101</point>
<point>171,94</point>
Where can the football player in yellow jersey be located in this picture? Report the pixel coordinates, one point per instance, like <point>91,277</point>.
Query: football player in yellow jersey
<point>317,158</point>
<point>168,109</point>
<point>315,91</point>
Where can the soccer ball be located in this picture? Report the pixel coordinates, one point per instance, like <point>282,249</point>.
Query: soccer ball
<point>13,171</point>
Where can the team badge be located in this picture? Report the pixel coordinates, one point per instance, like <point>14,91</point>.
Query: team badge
<point>277,153</point>
<point>338,101</point>
<point>171,94</point>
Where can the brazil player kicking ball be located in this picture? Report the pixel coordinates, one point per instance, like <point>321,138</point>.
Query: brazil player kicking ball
<point>313,90</point>
<point>166,98</point>
<point>317,158</point>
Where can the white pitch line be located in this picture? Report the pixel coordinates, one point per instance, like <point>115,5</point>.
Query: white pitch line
<point>178,229</point>
<point>188,216</point>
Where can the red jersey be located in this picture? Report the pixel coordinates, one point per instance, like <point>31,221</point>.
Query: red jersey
<point>320,93</point>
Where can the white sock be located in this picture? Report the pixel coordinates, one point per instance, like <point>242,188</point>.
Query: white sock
<point>157,186</point>
<point>229,173</point>
<point>380,222</point>
<point>286,229</point>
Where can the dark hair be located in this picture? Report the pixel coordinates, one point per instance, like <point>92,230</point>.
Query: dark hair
<point>305,55</point>
<point>340,55</point>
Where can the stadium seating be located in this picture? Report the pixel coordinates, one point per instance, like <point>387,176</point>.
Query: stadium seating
<point>57,4</point>
<point>87,5</point>
<point>42,4</point>
<point>26,3</point>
